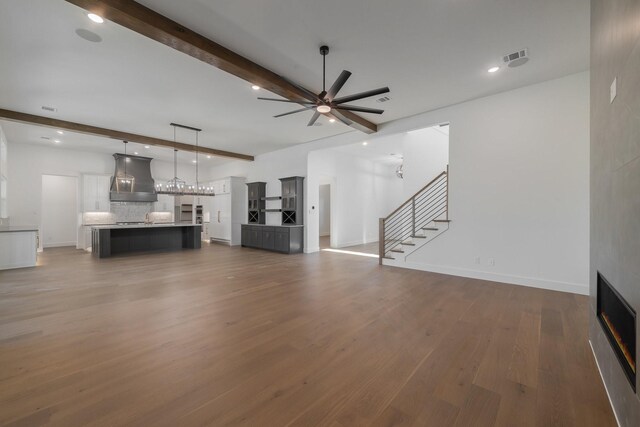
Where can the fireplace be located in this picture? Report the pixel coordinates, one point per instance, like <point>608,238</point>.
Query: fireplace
<point>618,320</point>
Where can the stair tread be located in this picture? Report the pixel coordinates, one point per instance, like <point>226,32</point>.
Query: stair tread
<point>418,237</point>
<point>408,244</point>
<point>387,257</point>
<point>441,220</point>
<point>430,228</point>
<point>400,251</point>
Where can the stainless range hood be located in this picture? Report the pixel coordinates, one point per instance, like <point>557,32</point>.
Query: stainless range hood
<point>139,167</point>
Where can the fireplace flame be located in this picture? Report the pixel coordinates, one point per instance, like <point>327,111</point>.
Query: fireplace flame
<point>621,345</point>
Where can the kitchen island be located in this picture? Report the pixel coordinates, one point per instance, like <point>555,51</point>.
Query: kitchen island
<point>109,240</point>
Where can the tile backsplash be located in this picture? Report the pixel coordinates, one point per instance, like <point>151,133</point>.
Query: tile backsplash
<point>131,212</point>
<point>126,212</point>
<point>98,218</point>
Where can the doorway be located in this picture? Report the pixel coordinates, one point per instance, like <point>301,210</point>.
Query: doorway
<point>324,215</point>
<point>59,211</point>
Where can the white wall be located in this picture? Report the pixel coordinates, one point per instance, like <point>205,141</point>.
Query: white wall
<point>519,184</point>
<point>4,211</point>
<point>362,192</point>
<point>426,155</point>
<point>29,162</point>
<point>59,201</point>
<point>519,188</point>
<point>324,209</point>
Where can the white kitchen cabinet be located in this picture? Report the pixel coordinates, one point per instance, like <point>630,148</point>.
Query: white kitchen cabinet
<point>165,203</point>
<point>84,242</point>
<point>220,217</point>
<point>18,247</point>
<point>226,211</point>
<point>95,193</point>
<point>222,186</point>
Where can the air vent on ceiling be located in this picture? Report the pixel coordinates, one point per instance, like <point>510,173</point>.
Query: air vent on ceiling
<point>516,59</point>
<point>46,137</point>
<point>44,107</point>
<point>383,99</point>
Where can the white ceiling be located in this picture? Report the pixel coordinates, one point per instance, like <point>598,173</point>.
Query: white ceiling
<point>22,133</point>
<point>385,150</point>
<point>431,53</point>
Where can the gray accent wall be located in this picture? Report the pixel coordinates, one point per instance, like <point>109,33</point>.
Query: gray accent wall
<point>615,179</point>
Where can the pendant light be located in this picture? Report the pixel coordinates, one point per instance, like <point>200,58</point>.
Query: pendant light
<point>177,186</point>
<point>124,181</point>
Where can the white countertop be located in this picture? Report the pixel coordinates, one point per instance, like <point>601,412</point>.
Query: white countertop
<point>118,227</point>
<point>18,228</point>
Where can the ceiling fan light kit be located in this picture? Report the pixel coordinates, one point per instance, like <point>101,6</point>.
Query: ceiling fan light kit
<point>326,102</point>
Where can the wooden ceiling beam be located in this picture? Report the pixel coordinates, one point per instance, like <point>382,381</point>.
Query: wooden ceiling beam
<point>149,23</point>
<point>16,116</point>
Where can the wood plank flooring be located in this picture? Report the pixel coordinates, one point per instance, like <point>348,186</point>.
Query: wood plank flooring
<point>231,336</point>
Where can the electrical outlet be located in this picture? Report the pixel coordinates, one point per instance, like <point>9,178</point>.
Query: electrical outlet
<point>492,262</point>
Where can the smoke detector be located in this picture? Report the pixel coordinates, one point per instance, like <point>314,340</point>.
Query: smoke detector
<point>516,59</point>
<point>383,99</point>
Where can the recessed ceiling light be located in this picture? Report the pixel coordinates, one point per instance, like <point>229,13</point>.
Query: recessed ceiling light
<point>135,152</point>
<point>60,132</point>
<point>493,69</point>
<point>365,143</point>
<point>147,146</point>
<point>255,87</point>
<point>323,109</point>
<point>194,161</point>
<point>95,18</point>
<point>332,120</point>
<point>57,141</point>
<point>208,157</point>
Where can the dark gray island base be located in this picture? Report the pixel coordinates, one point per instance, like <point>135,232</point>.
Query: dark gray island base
<point>112,240</point>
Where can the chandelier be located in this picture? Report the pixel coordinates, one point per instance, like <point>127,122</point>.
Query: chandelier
<point>124,181</point>
<point>177,186</point>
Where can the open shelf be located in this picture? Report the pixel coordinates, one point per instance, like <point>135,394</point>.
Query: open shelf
<point>271,210</point>
<point>271,198</point>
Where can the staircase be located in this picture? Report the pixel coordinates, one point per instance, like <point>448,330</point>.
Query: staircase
<point>416,222</point>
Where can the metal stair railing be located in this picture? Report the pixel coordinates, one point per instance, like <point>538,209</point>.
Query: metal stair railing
<point>429,203</point>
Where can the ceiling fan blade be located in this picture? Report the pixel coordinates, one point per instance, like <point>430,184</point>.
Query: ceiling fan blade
<point>337,85</point>
<point>361,95</point>
<point>359,109</point>
<point>287,100</point>
<point>336,115</point>
<point>313,118</point>
<point>293,112</point>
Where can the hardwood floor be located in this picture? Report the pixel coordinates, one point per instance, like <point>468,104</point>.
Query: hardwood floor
<point>232,336</point>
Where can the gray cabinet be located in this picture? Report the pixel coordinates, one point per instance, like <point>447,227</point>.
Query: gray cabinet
<point>284,239</point>
<point>292,200</point>
<point>256,202</point>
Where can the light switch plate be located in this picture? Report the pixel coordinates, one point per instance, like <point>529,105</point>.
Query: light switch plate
<point>613,90</point>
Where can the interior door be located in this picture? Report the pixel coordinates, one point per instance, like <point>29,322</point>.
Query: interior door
<point>59,211</point>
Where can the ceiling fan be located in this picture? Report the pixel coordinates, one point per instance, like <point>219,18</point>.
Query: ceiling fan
<point>326,102</point>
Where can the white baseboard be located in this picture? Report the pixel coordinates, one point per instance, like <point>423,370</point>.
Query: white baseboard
<point>60,244</point>
<point>311,250</point>
<point>574,288</point>
<point>354,243</point>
